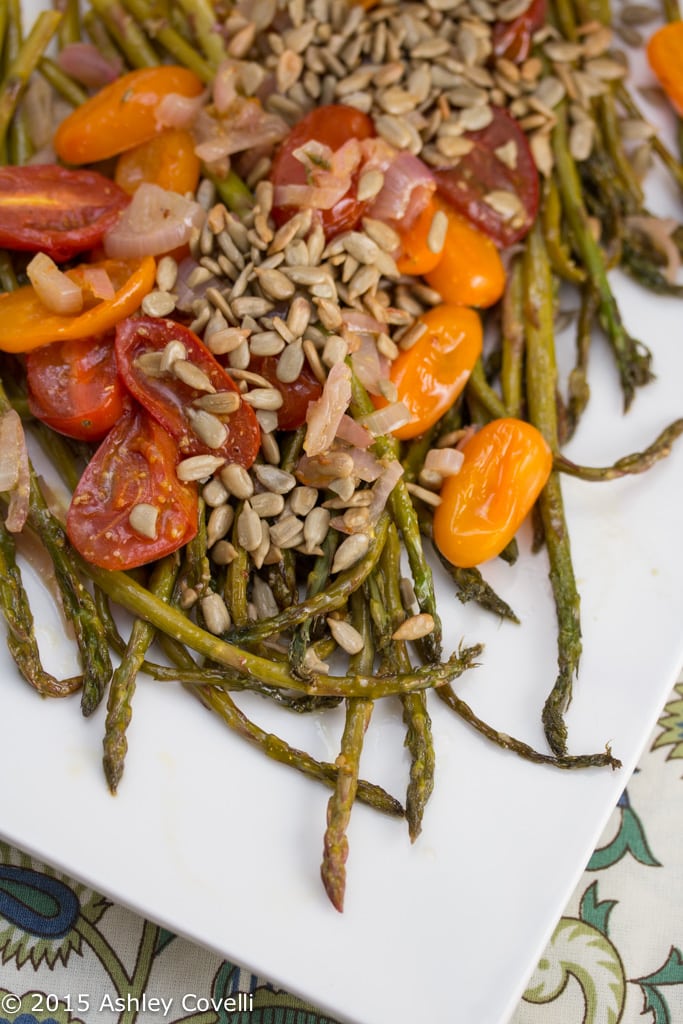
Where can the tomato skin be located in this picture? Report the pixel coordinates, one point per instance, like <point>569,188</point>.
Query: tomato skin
<point>167,399</point>
<point>168,160</point>
<point>134,464</point>
<point>470,271</point>
<point>122,114</point>
<point>415,256</point>
<point>26,324</point>
<point>512,39</point>
<point>665,56</point>
<point>480,171</point>
<point>332,125</point>
<point>74,387</point>
<point>295,396</point>
<point>431,374</point>
<point>507,464</point>
<point>55,210</point>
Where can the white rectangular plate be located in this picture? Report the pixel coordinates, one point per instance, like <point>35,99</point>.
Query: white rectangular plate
<point>215,842</point>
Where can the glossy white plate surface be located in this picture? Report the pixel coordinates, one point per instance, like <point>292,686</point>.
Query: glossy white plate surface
<point>223,846</point>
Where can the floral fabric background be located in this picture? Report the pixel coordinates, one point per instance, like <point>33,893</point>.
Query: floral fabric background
<point>615,956</point>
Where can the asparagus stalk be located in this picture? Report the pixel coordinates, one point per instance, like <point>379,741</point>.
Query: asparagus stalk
<point>127,33</point>
<point>636,462</point>
<point>21,638</point>
<point>541,376</point>
<point>23,65</point>
<point>182,51</point>
<point>340,804</point>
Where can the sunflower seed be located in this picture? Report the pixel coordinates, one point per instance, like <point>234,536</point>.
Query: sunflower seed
<point>264,398</point>
<point>215,612</point>
<point>214,493</point>
<point>370,184</point>
<point>237,481</point>
<point>264,601</point>
<point>223,552</point>
<point>414,628</point>
<point>298,316</point>
<point>350,551</point>
<point>268,504</point>
<point>143,518</point>
<point>274,479</point>
<point>219,522</point>
<point>167,273</point>
<point>220,403</point>
<point>346,635</point>
<point>302,499</point>
<point>198,467</point>
<point>248,528</point>
<point>207,427</point>
<point>290,363</point>
<point>191,375</point>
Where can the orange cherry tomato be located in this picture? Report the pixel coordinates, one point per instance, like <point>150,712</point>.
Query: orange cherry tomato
<point>430,375</point>
<point>506,466</point>
<point>168,160</point>
<point>25,323</point>
<point>416,257</point>
<point>122,114</point>
<point>470,271</point>
<point>665,54</point>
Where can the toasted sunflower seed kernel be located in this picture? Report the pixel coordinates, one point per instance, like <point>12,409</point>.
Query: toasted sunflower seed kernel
<point>330,314</point>
<point>266,343</point>
<point>346,635</point>
<point>216,614</point>
<point>214,493</point>
<point>237,481</point>
<point>316,526</point>
<point>143,519</point>
<point>343,486</point>
<point>149,363</point>
<point>240,357</point>
<point>173,351</point>
<point>270,448</point>
<point>423,494</point>
<point>268,504</point>
<point>507,204</point>
<point>264,398</point>
<point>258,555</point>
<point>430,479</point>
<point>276,284</point>
<point>188,598</point>
<point>408,597</point>
<point>267,420</point>
<point>302,499</point>
<point>314,664</point>
<point>220,403</point>
<point>290,363</point>
<point>264,601</point>
<point>219,523</point>
<point>248,528</point>
<point>414,628</point>
<point>207,427</point>
<point>335,351</point>
<point>287,532</point>
<point>223,552</point>
<point>350,551</point>
<point>198,467</point>
<point>298,316</point>
<point>370,184</point>
<point>167,273</point>
<point>274,479</point>
<point>436,236</point>
<point>382,233</point>
<point>360,246</point>
<point>192,375</point>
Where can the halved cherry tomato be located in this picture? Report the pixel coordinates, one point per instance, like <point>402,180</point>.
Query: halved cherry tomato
<point>665,54</point>
<point>512,39</point>
<point>122,114</point>
<point>332,125</point>
<point>470,271</point>
<point>468,185</point>
<point>295,396</point>
<point>51,209</point>
<point>25,323</point>
<point>168,160</point>
<point>430,375</point>
<point>506,466</point>
<point>75,388</point>
<point>134,465</point>
<point>168,399</point>
<point>416,257</point>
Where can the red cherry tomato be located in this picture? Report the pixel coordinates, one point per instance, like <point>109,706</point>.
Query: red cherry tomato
<point>481,172</point>
<point>135,465</point>
<point>171,401</point>
<point>506,466</point>
<point>74,387</point>
<point>46,208</point>
<point>512,39</point>
<point>332,125</point>
<point>295,396</point>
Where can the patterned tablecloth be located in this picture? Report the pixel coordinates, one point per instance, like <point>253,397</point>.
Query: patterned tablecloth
<point>68,955</point>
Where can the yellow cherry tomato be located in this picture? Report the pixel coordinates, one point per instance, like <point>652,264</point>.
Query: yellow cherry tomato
<point>507,464</point>
<point>470,271</point>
